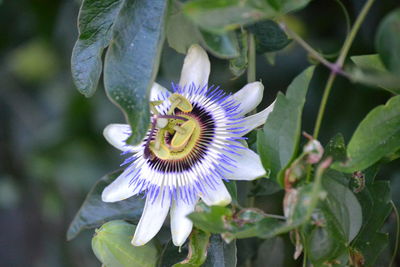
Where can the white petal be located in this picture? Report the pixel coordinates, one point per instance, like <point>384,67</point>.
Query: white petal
<point>249,96</point>
<point>157,92</point>
<point>196,67</point>
<point>181,226</point>
<point>258,119</point>
<point>219,197</point>
<point>152,219</point>
<point>116,135</point>
<point>120,188</point>
<point>248,165</point>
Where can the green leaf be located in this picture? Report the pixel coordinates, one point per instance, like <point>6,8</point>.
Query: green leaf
<point>387,41</point>
<point>210,218</point>
<point>238,65</point>
<point>375,201</point>
<point>220,254</point>
<point>335,222</point>
<point>224,15</point>
<point>222,45</point>
<point>181,32</point>
<point>277,143</point>
<point>376,136</point>
<point>264,187</point>
<point>336,148</point>
<point>384,80</point>
<point>132,61</point>
<point>343,205</point>
<point>290,5</point>
<point>372,62</point>
<point>197,249</point>
<point>269,36</point>
<point>372,72</point>
<point>94,212</point>
<point>112,246</point>
<point>95,23</point>
<point>324,240</point>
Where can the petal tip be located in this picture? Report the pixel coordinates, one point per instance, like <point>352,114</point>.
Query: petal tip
<point>107,196</point>
<point>137,243</point>
<point>178,240</point>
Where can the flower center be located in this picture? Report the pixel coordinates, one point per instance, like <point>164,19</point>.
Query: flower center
<point>174,136</point>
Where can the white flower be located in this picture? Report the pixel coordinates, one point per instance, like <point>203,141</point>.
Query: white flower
<point>194,144</point>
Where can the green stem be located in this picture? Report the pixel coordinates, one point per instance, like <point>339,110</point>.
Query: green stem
<point>251,69</point>
<point>350,38</point>
<point>396,245</point>
<point>304,259</point>
<point>339,64</point>
<point>322,106</point>
<point>314,53</point>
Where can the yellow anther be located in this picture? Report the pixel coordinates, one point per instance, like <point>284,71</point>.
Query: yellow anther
<point>161,123</point>
<point>153,105</point>
<point>180,139</point>
<point>180,102</point>
<point>179,129</point>
<point>159,139</point>
<point>163,152</point>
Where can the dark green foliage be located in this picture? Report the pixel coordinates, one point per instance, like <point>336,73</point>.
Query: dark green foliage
<point>96,19</point>
<point>131,62</point>
<point>94,212</point>
<point>269,36</point>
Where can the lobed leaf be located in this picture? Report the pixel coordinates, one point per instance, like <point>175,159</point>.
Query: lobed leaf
<point>132,61</point>
<point>342,204</point>
<point>278,142</point>
<point>94,212</point>
<point>375,201</point>
<point>95,23</point>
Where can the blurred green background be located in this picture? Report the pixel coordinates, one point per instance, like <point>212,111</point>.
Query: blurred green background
<point>51,144</point>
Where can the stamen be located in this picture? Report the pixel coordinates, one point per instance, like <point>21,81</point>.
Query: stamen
<point>159,137</point>
<point>179,129</point>
<point>180,102</point>
<point>153,105</point>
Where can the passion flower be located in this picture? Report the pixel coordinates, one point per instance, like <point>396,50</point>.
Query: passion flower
<point>195,142</point>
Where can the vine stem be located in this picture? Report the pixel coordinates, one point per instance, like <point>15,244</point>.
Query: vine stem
<point>251,77</point>
<point>339,64</point>
<point>396,245</point>
<point>251,69</point>
<point>315,54</point>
